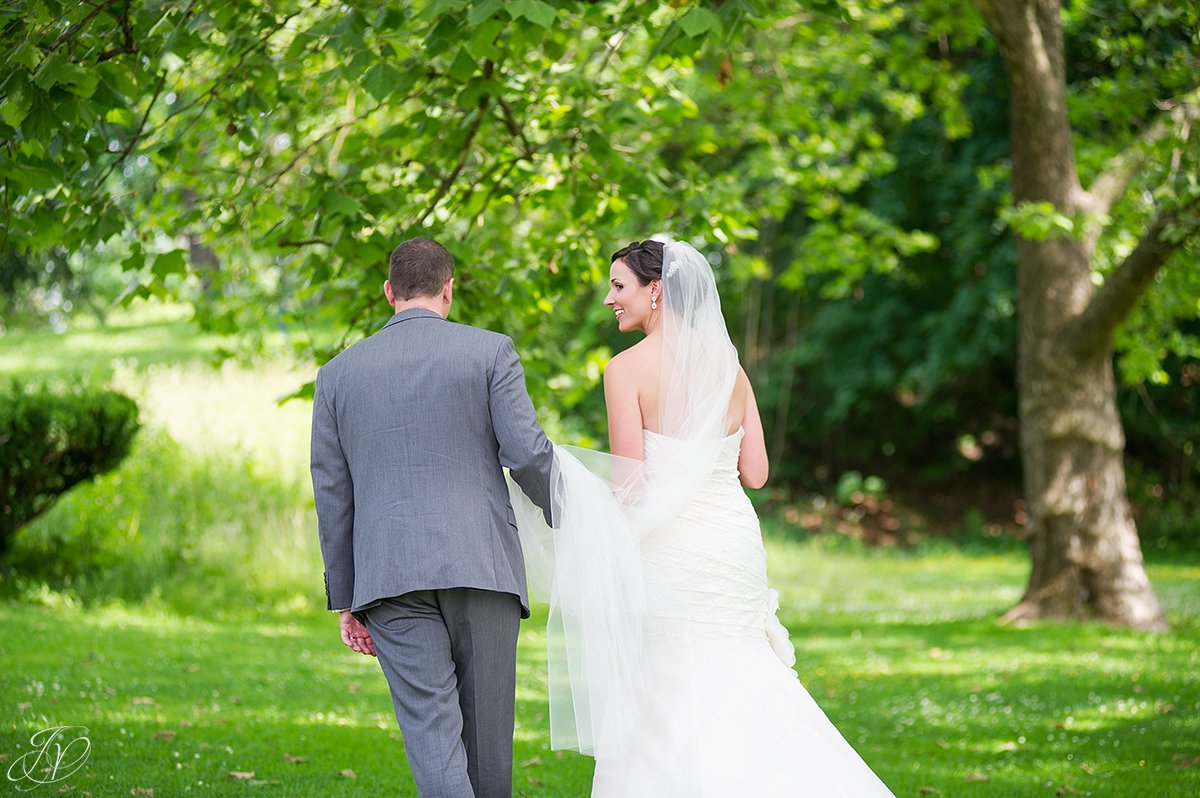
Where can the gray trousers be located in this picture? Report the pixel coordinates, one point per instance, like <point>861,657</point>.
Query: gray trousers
<point>450,661</point>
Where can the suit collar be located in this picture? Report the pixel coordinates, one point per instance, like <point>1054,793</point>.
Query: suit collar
<point>412,313</point>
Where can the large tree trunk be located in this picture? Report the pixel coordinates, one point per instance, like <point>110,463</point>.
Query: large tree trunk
<point>1087,561</point>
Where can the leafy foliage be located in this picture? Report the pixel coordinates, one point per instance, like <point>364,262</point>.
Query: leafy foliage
<point>842,162</point>
<point>262,159</point>
<point>51,441</point>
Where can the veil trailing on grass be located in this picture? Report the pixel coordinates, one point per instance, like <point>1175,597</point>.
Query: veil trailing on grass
<point>588,568</point>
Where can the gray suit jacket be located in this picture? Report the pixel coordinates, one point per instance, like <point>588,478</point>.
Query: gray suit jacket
<point>410,429</point>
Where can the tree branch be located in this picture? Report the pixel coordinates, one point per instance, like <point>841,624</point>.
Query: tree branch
<point>126,46</point>
<point>448,181</point>
<point>221,81</point>
<point>7,215</point>
<point>336,149</point>
<point>70,32</point>
<point>312,145</point>
<point>141,133</point>
<point>514,128</point>
<point>508,167</point>
<point>287,242</point>
<point>1112,182</point>
<point>1092,330</point>
<point>355,319</point>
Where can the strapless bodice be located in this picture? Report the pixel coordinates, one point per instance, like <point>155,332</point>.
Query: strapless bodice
<point>662,451</point>
<point>705,569</point>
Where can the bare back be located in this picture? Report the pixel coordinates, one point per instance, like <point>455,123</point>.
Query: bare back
<point>632,389</point>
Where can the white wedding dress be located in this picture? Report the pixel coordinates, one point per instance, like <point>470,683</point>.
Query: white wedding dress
<point>721,713</point>
<point>665,658</point>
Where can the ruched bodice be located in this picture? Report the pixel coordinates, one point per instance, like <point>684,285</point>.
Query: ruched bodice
<point>705,569</point>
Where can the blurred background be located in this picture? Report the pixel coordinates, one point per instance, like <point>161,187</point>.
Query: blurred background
<point>846,167</point>
<point>199,200</point>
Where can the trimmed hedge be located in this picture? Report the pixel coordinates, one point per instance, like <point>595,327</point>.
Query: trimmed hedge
<point>50,441</point>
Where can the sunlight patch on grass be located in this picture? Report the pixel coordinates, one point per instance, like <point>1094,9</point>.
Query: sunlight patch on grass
<point>231,411</point>
<point>134,338</point>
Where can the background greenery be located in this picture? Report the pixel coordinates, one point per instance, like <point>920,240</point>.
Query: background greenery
<point>174,608</point>
<point>844,163</point>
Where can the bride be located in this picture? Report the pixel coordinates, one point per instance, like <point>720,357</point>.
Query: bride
<point>666,660</point>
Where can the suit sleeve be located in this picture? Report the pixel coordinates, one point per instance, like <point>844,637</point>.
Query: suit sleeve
<point>333,490</point>
<point>524,448</point>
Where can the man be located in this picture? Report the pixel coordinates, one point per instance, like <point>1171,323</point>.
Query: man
<point>410,429</point>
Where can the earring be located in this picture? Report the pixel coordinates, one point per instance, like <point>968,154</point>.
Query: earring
<point>654,303</point>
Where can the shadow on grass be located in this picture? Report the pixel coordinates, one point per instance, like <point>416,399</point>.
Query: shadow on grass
<point>961,707</point>
<point>971,708</point>
<point>174,704</point>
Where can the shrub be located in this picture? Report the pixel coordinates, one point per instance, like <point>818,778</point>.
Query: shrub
<point>50,441</point>
<point>196,532</point>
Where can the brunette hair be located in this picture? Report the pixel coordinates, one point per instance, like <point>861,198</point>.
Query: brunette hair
<point>419,267</point>
<point>644,258</point>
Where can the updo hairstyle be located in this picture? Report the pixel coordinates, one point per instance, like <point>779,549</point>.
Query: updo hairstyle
<point>644,258</point>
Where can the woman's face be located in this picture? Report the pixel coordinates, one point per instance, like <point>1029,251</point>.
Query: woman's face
<point>629,299</point>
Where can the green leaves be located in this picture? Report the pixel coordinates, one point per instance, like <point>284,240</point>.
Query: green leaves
<point>26,55</point>
<point>536,11</point>
<point>168,263</point>
<point>296,143</point>
<point>699,21</point>
<point>484,11</point>
<point>463,66</point>
<point>52,440</point>
<point>335,202</point>
<point>482,43</point>
<point>382,80</point>
<point>58,71</point>
<point>1039,221</point>
<point>16,104</point>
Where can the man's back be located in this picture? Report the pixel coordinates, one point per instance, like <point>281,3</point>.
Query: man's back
<point>410,429</point>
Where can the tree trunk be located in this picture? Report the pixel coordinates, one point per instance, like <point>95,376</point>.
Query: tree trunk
<point>1087,561</point>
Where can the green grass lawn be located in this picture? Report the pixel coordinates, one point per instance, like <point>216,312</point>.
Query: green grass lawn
<point>174,609</point>
<point>151,335</point>
<point>902,652</point>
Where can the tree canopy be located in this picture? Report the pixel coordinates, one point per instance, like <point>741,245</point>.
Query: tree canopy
<point>844,163</point>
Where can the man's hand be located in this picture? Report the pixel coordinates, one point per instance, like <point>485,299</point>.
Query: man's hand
<point>355,635</point>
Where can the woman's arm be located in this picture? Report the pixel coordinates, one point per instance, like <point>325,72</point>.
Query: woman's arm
<point>752,460</point>
<point>624,411</point>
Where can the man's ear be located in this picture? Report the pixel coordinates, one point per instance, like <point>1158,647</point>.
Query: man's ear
<point>448,291</point>
<point>387,292</point>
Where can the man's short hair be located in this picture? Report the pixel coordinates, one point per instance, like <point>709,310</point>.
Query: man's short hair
<point>419,268</point>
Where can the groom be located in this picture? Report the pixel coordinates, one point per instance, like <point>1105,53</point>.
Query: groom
<point>410,429</point>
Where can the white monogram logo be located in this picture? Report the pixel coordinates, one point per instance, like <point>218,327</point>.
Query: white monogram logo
<point>57,752</point>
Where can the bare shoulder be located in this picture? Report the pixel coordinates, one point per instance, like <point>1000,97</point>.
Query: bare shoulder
<point>632,362</point>
<point>619,362</point>
<point>617,372</point>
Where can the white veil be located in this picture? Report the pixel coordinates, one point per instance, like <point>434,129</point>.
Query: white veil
<point>588,569</point>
